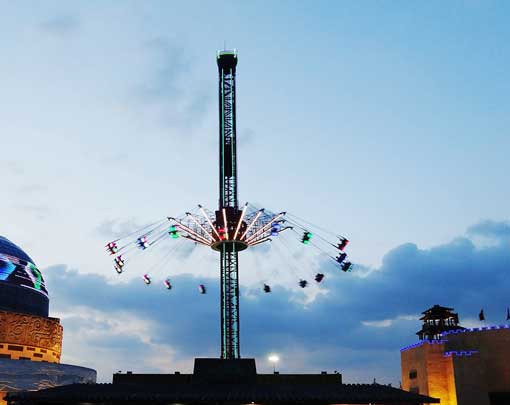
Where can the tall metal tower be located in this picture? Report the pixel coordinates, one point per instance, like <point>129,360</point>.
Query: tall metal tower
<point>228,205</point>
<point>230,229</point>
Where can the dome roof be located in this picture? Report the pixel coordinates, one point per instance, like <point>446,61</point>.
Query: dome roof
<point>9,248</point>
<point>22,287</point>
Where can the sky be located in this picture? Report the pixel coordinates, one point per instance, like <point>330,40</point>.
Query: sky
<point>383,121</point>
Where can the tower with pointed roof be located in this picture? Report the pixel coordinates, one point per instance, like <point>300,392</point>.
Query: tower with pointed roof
<point>437,320</point>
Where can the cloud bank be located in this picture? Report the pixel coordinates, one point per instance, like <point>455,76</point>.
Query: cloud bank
<point>356,326</point>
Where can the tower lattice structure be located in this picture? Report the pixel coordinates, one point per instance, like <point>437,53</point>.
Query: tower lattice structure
<point>230,229</point>
<point>228,206</point>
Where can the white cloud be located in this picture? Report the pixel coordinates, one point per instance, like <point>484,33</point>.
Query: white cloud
<point>386,323</point>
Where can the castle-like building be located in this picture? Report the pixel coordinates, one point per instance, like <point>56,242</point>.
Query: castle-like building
<point>30,340</point>
<point>458,365</point>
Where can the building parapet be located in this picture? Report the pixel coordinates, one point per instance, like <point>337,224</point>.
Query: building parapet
<point>421,343</point>
<point>484,328</point>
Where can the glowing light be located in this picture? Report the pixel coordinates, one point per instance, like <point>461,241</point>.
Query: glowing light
<point>252,223</point>
<point>119,264</point>
<point>265,227</point>
<point>494,327</point>
<point>221,233</point>
<point>35,276</point>
<point>173,232</point>
<point>6,268</point>
<point>258,242</point>
<point>200,225</point>
<point>306,237</point>
<point>273,358</point>
<point>240,220</point>
<point>143,242</point>
<point>429,342</point>
<point>343,243</point>
<point>20,272</point>
<point>190,231</point>
<point>275,229</point>
<point>112,248</point>
<point>460,353</point>
<point>209,220</point>
<point>225,224</point>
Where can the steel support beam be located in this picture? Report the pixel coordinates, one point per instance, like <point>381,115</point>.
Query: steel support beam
<point>228,202</point>
<point>229,305</point>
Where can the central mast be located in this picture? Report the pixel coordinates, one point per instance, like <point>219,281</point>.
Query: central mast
<point>229,229</point>
<point>228,213</point>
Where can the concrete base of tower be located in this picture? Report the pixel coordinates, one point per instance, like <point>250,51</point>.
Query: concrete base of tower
<point>26,375</point>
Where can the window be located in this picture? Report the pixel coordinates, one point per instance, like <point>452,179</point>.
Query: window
<point>413,374</point>
<point>5,356</point>
<point>415,390</point>
<point>14,347</point>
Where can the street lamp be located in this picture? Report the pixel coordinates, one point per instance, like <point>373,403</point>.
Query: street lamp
<point>273,358</point>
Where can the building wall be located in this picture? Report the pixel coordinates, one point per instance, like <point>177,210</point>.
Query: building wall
<point>22,352</point>
<point>470,379</point>
<point>434,371</point>
<point>413,360</point>
<point>30,337</point>
<point>463,368</point>
<point>493,345</point>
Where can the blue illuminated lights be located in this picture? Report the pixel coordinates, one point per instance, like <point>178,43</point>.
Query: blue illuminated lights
<point>461,353</point>
<point>484,328</point>
<point>22,273</point>
<point>35,276</point>
<point>6,268</point>
<point>454,332</point>
<point>430,342</point>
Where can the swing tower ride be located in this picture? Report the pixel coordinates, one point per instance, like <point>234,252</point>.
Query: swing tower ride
<point>230,229</point>
<point>228,207</point>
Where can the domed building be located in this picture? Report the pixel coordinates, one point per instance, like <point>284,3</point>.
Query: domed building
<point>30,340</point>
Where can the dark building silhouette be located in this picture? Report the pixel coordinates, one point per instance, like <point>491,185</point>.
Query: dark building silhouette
<point>218,381</point>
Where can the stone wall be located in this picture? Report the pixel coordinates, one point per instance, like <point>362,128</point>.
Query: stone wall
<point>30,337</point>
<point>425,370</point>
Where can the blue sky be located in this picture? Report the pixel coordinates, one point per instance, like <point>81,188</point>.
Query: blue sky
<point>387,122</point>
